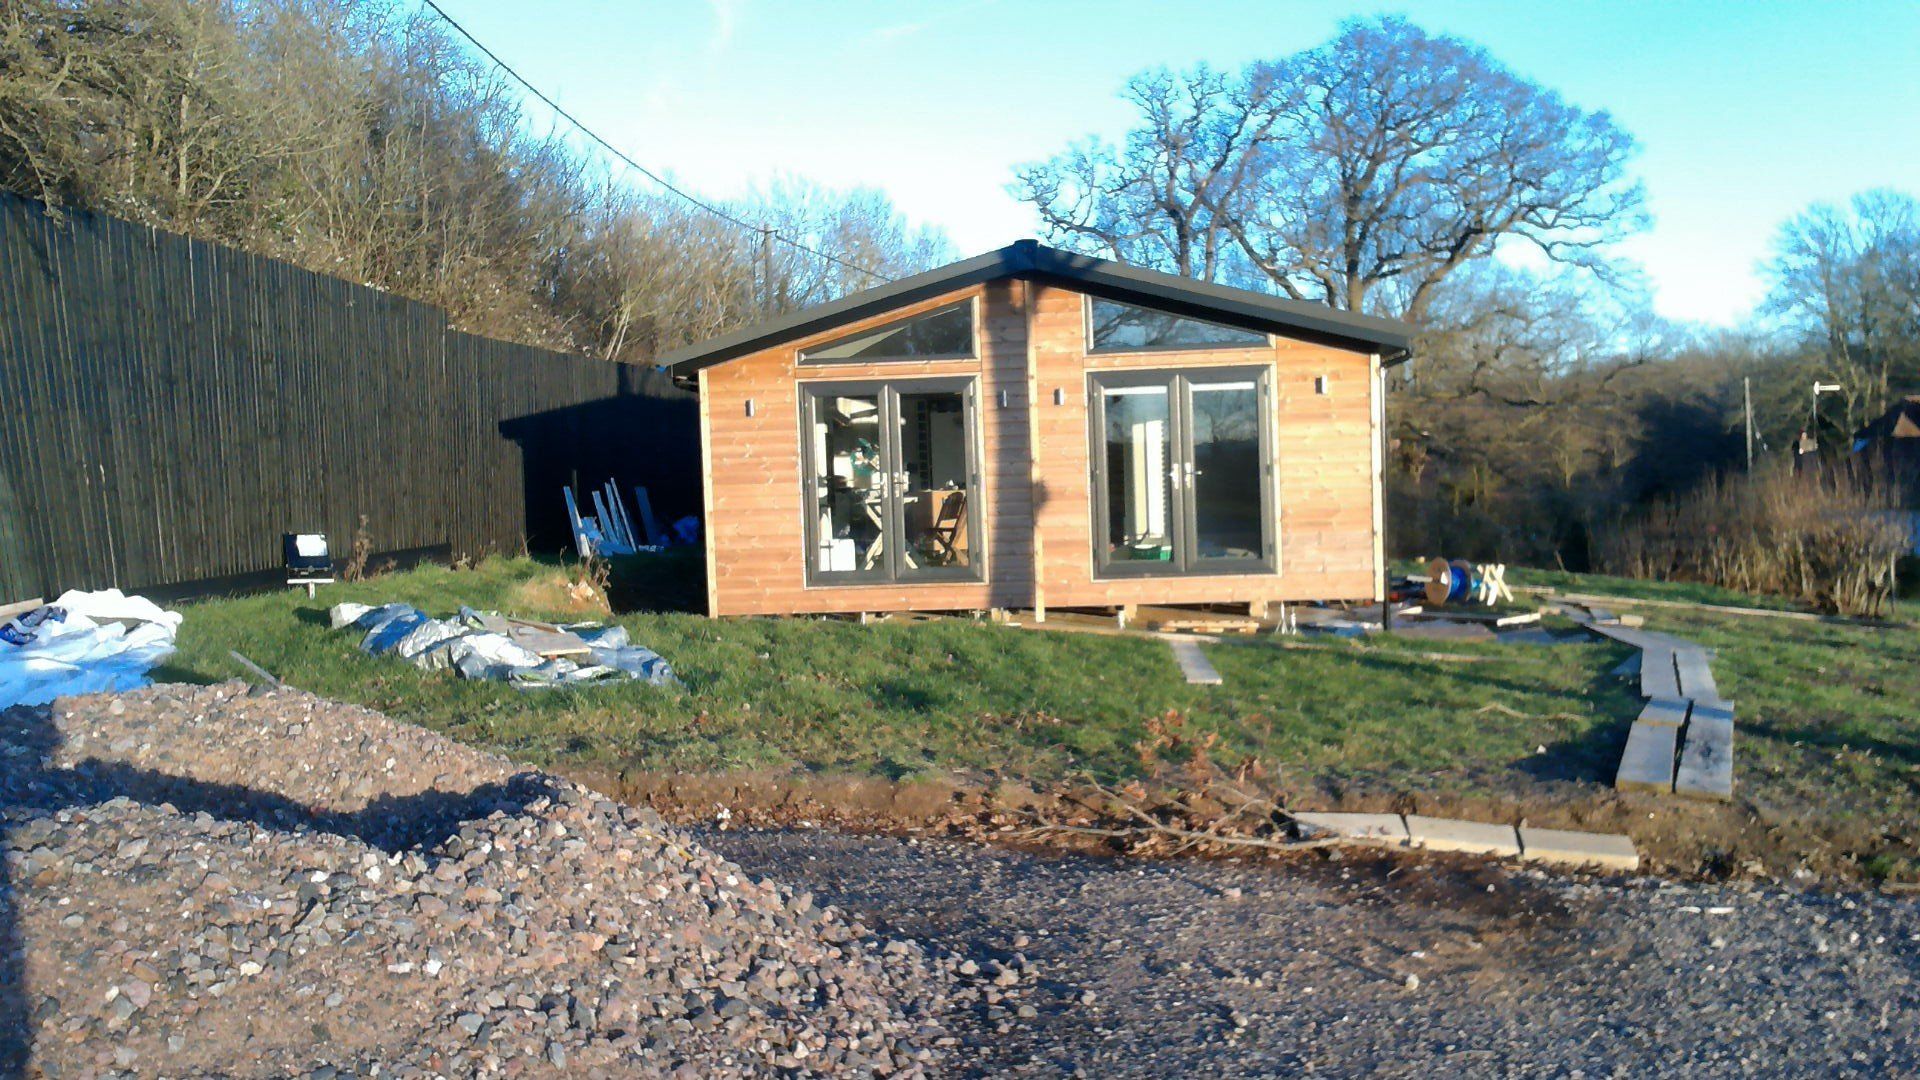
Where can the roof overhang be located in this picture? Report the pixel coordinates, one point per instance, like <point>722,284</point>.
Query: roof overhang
<point>1029,260</point>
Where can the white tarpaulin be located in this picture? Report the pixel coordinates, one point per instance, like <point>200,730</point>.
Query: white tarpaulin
<point>88,642</point>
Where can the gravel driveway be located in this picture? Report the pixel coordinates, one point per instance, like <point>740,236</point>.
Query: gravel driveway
<point>1368,964</point>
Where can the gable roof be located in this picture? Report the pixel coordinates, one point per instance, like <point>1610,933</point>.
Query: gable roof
<point>1902,421</point>
<point>1031,261</point>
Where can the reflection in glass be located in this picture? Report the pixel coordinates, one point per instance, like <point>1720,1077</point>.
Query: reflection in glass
<point>944,333</point>
<point>1226,470</point>
<point>1118,327</point>
<point>935,500</point>
<point>849,484</point>
<point>1138,486</point>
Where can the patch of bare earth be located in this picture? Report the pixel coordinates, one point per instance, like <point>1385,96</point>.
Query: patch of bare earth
<point>1676,837</point>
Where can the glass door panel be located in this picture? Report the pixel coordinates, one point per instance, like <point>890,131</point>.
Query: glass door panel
<point>1137,448</point>
<point>891,472</point>
<point>850,487</point>
<point>936,483</point>
<point>1183,478</point>
<point>1226,471</point>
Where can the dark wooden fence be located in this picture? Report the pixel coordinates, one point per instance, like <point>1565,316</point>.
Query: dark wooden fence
<point>169,407</point>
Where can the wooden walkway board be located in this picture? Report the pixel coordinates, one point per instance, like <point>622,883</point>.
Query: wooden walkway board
<point>1672,712</point>
<point>1194,663</point>
<point>1696,678</point>
<point>1684,720</point>
<point>1706,756</point>
<point>1644,639</point>
<point>1658,678</point>
<point>1647,764</point>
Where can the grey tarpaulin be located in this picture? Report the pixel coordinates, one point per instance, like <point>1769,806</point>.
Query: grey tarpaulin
<point>465,645</point>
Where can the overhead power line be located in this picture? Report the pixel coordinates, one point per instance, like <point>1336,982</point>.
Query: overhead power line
<point>663,182</point>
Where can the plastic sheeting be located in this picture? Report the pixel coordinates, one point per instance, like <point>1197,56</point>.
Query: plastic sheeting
<point>91,642</point>
<point>465,645</point>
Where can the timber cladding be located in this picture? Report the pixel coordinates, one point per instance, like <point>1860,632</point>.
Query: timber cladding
<point>169,407</point>
<point>1036,501</point>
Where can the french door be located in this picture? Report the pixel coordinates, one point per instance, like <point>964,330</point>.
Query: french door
<point>1182,471</point>
<point>891,481</point>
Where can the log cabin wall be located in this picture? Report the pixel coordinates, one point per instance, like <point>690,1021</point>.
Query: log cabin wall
<point>1325,463</point>
<point>1035,500</point>
<point>756,504</point>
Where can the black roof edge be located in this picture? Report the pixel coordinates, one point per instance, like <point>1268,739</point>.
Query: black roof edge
<point>1101,277</point>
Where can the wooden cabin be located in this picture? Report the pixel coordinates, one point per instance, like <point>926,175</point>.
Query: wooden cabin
<point>1037,429</point>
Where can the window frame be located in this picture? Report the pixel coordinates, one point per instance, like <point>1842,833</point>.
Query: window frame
<point>1093,349</point>
<point>1182,524</point>
<point>971,303</point>
<point>894,516</point>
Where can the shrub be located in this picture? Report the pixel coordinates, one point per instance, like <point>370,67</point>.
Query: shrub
<point>1828,537</point>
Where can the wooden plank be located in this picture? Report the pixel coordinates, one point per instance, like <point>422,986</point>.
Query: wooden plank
<point>1671,712</point>
<point>1625,635</point>
<point>1696,677</point>
<point>548,643</point>
<point>20,607</point>
<point>1658,677</point>
<point>1706,753</point>
<point>1647,763</point>
<point>1490,618</point>
<point>1720,609</point>
<point>1193,663</point>
<point>1074,622</point>
<point>1213,622</point>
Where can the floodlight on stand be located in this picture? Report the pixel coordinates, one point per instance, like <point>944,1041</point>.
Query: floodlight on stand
<point>309,562</point>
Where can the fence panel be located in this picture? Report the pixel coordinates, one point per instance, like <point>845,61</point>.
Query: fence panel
<point>169,407</point>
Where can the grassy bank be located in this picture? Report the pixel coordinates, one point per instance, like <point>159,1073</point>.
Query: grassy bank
<point>1826,711</point>
<point>901,699</point>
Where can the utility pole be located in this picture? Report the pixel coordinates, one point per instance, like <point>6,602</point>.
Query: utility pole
<point>766,270</point>
<point>1746,392</point>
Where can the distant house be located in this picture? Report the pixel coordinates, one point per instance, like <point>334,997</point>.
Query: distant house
<point>1034,428</point>
<point>1895,436</point>
<point>1889,448</point>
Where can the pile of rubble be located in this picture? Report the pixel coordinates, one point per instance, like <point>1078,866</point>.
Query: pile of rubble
<point>211,880</point>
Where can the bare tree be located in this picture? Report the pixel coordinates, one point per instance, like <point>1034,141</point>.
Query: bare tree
<point>1848,279</point>
<point>357,138</point>
<point>1360,174</point>
<point>872,242</point>
<point>1156,200</point>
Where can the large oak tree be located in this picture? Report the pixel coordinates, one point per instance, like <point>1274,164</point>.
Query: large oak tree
<point>1361,173</point>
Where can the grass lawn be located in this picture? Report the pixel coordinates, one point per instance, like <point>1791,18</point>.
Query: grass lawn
<point>1827,712</point>
<point>908,698</point>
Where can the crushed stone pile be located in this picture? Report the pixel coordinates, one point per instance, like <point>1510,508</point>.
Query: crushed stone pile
<point>210,880</point>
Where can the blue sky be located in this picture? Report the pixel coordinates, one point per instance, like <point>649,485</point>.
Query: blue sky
<point>1745,112</point>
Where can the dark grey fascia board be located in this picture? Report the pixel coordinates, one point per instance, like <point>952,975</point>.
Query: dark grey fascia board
<point>1028,259</point>
<point>851,308</point>
<point>1222,303</point>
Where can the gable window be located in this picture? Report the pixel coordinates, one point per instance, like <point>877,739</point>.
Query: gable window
<point>945,333</point>
<point>1116,327</point>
